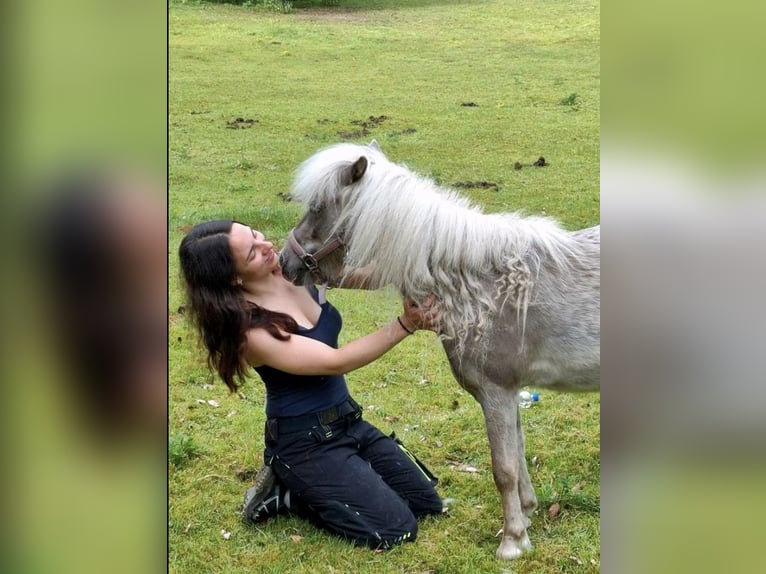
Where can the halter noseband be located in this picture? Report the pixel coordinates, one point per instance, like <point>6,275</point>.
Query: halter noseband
<point>311,260</point>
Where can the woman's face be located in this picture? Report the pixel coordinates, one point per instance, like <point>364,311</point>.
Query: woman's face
<point>254,257</point>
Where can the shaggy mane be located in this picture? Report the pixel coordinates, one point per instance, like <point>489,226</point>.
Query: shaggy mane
<point>424,239</point>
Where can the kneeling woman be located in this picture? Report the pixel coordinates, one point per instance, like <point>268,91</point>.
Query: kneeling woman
<point>323,461</point>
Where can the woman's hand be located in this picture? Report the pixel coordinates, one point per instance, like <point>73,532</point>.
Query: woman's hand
<point>427,315</point>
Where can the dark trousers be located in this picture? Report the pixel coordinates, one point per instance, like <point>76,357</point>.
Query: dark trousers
<point>351,479</point>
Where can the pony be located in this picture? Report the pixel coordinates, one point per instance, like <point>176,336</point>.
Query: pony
<point>518,297</point>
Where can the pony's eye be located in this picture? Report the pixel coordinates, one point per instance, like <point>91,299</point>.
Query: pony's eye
<point>317,209</point>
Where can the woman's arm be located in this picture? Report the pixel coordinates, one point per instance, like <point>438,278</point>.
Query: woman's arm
<point>304,356</point>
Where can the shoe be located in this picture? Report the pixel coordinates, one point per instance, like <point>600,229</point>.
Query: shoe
<point>266,498</point>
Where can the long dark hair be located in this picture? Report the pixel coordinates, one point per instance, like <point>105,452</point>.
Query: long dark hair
<point>217,307</point>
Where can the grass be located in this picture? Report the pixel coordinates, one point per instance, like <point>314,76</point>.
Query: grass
<point>182,448</point>
<point>317,76</point>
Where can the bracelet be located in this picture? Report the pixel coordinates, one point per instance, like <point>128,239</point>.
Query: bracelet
<point>403,327</point>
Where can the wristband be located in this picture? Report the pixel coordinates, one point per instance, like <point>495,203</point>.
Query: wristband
<point>403,327</point>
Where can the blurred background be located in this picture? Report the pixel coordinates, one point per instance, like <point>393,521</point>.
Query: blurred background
<point>84,300</point>
<point>683,191</point>
<point>84,286</point>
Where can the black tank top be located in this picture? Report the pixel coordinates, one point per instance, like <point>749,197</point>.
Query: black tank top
<point>290,395</point>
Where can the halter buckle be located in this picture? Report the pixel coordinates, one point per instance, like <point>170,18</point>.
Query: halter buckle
<point>310,262</point>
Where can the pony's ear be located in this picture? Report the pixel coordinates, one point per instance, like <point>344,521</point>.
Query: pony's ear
<point>354,172</point>
<point>375,145</point>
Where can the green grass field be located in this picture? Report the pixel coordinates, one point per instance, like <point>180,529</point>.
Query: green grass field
<point>460,92</point>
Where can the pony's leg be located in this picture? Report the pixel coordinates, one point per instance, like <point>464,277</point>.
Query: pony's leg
<point>500,416</point>
<point>526,491</point>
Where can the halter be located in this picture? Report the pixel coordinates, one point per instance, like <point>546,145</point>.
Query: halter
<point>311,260</point>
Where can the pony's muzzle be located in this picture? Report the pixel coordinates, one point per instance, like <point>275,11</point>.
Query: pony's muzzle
<point>282,260</point>
<point>292,272</point>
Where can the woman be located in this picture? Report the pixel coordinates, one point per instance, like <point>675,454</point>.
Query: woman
<point>323,461</point>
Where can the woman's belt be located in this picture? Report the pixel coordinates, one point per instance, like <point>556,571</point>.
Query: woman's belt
<point>347,410</point>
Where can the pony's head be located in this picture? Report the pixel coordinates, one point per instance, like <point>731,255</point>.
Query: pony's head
<point>325,184</point>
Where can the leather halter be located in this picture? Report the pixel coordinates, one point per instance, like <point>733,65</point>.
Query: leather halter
<point>311,260</point>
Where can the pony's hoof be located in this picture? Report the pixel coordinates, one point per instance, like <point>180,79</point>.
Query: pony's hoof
<point>511,549</point>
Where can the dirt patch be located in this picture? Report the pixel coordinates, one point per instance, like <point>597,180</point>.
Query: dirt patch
<point>240,123</point>
<point>371,121</point>
<point>352,135</point>
<point>470,105</point>
<point>539,163</point>
<point>366,125</point>
<point>404,132</point>
<point>476,185</point>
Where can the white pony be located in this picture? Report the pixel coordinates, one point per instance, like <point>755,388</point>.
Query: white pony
<point>519,296</point>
